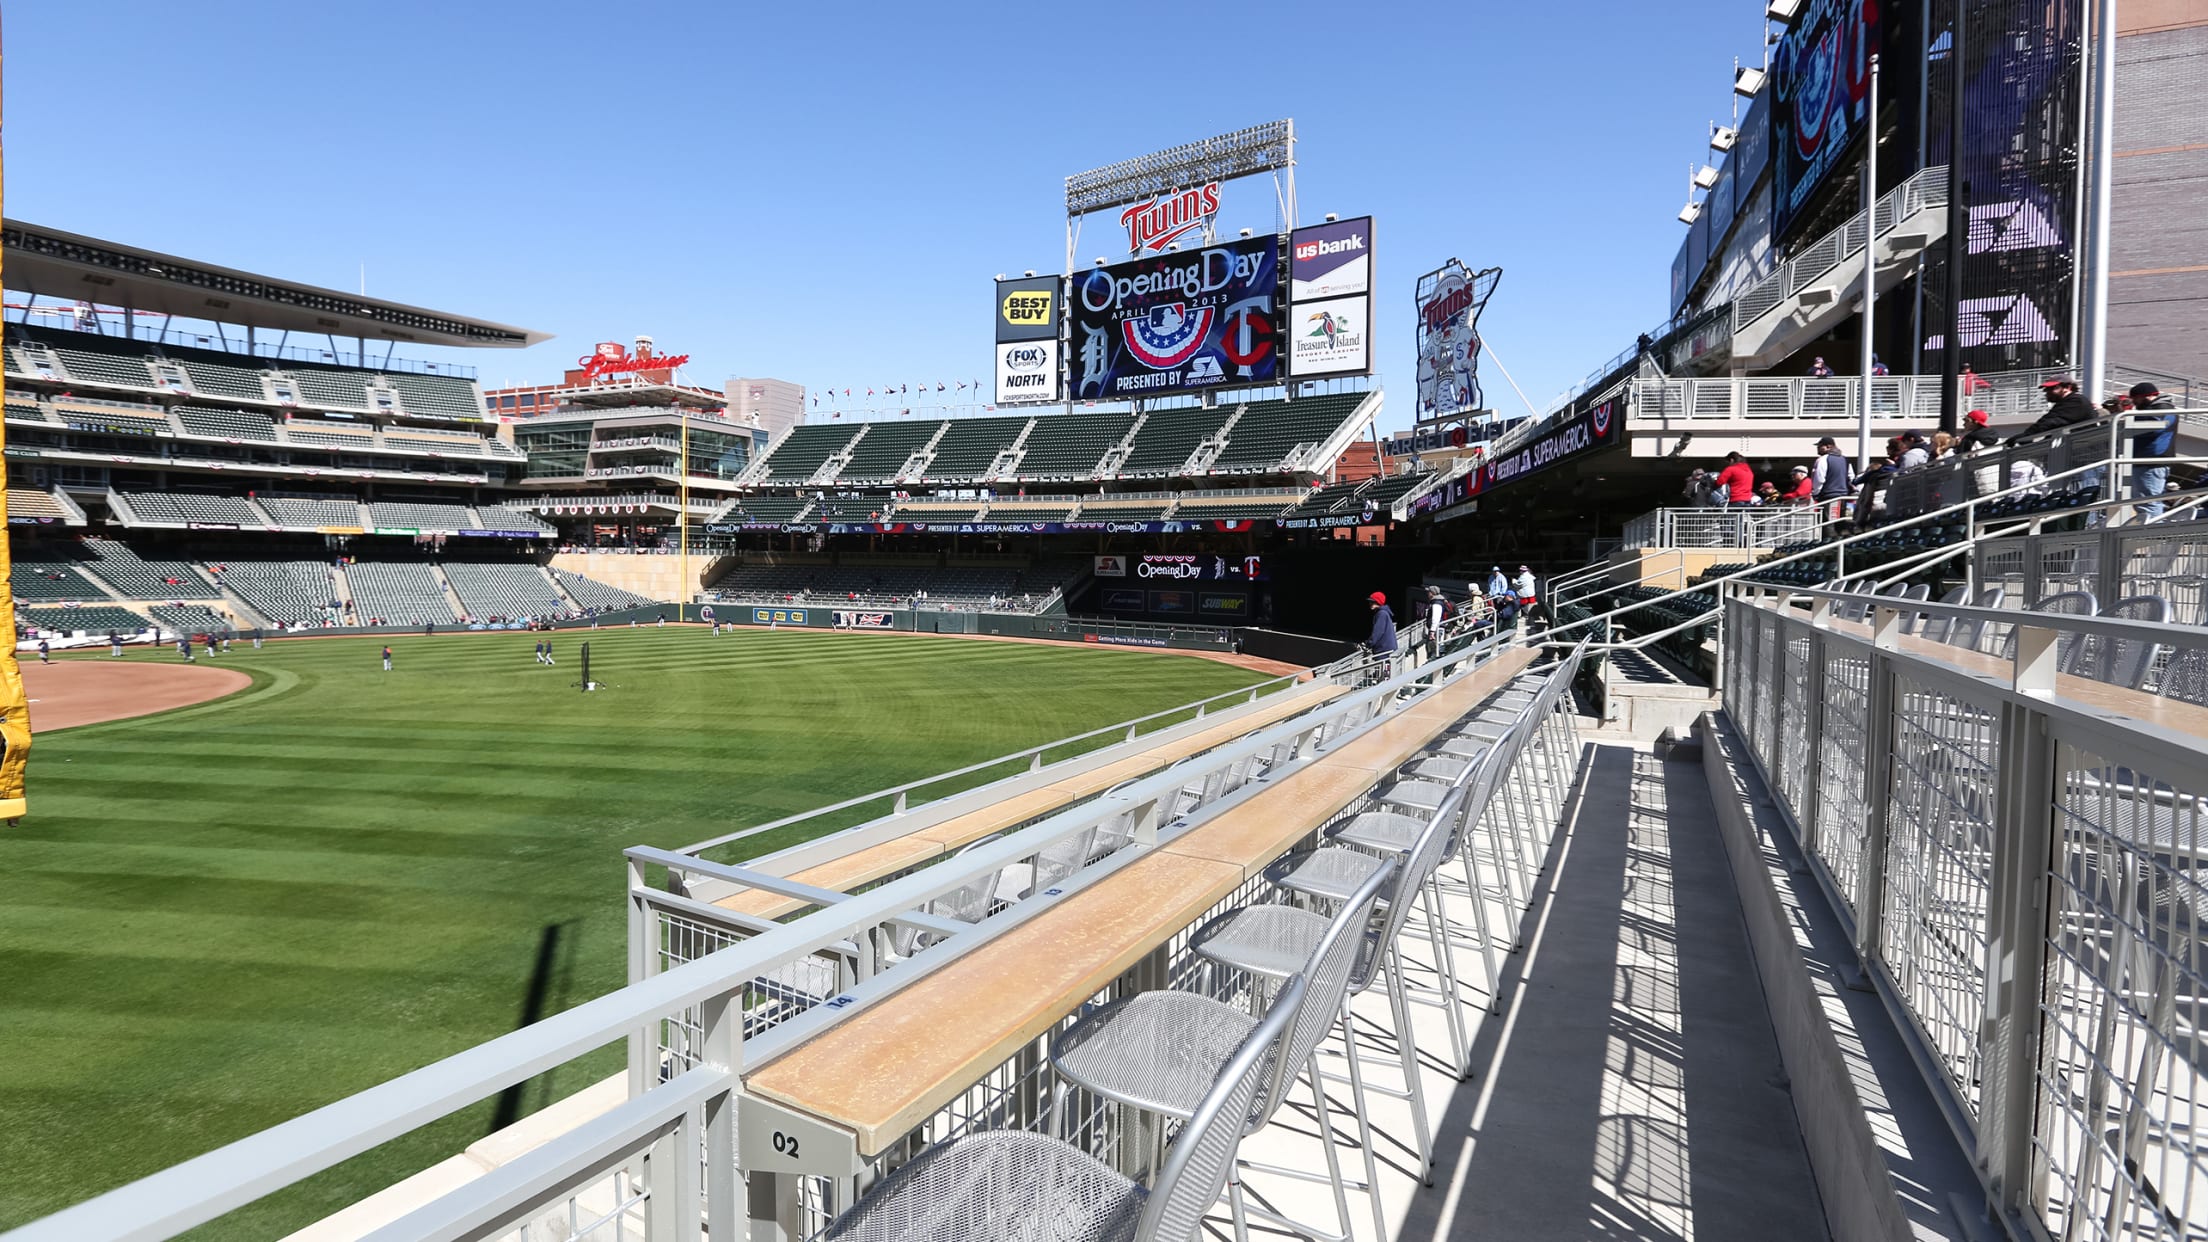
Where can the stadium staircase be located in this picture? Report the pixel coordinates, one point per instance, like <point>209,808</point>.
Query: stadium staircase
<point>560,588</point>
<point>1214,444</point>
<point>444,584</point>
<point>1007,463</point>
<point>1117,455</point>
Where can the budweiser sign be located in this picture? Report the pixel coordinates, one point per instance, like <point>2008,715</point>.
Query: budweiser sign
<point>1153,225</point>
<point>611,358</point>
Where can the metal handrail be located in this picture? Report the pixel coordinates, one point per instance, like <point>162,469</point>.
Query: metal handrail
<point>1967,507</point>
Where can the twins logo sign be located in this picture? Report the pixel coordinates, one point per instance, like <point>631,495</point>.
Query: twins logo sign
<point>1177,322</point>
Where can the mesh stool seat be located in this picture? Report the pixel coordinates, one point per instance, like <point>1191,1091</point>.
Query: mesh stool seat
<point>1270,941</point>
<point>1334,874</point>
<point>1436,768</point>
<point>1159,1051</point>
<point>1391,831</point>
<point>1421,796</point>
<point>989,1186</point>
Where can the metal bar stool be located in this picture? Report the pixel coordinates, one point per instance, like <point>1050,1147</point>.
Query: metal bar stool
<point>1016,1184</point>
<point>1268,941</point>
<point>1158,1051</point>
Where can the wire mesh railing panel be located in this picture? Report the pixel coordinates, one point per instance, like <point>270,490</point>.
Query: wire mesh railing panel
<point>1938,876</point>
<point>1843,745</point>
<point>1795,685</point>
<point>772,999</point>
<point>2169,562</point>
<point>2122,1082</point>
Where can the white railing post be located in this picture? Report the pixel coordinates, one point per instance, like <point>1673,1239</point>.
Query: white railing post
<point>1883,703</point>
<point>2018,925</point>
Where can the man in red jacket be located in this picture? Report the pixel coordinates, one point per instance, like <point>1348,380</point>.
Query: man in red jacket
<point>1737,480</point>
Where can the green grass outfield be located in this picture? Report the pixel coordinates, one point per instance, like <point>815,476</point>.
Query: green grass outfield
<point>219,917</point>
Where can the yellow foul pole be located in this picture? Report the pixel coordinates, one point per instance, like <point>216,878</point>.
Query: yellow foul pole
<point>15,712</point>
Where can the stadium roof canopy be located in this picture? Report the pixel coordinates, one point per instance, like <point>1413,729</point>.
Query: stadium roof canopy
<point>50,263</point>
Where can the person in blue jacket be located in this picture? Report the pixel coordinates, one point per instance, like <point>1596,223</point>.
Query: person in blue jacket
<point>2157,439</point>
<point>1382,640</point>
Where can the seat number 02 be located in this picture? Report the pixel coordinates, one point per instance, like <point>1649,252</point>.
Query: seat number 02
<point>785,1144</point>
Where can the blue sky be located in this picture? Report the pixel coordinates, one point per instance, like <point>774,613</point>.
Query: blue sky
<point>823,192</point>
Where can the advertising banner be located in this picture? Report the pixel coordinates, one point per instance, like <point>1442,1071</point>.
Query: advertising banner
<point>1172,601</point>
<point>1123,601</point>
<point>1177,322</point>
<point>780,616</point>
<point>1450,299</point>
<point>1599,427</point>
<point>848,620</point>
<point>1111,567</point>
<point>1027,371</point>
<point>1205,567</point>
<point>1223,605</point>
<point>1332,260</point>
<point>1820,85</point>
<point>1331,337</point>
<point>1028,307</point>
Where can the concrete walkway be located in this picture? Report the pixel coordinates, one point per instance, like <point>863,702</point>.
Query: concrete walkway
<point>1633,1089</point>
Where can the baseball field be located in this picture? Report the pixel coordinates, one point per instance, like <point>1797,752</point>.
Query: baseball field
<point>220,916</point>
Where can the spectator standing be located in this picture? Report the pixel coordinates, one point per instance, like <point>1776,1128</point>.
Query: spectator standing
<point>1382,638</point>
<point>1499,597</point>
<point>1737,480</point>
<point>1437,611</point>
<point>2157,440</point>
<point>2066,406</point>
<point>1878,368</point>
<point>1527,595</point>
<point>1974,383</point>
<point>1697,490</point>
<point>1829,477</point>
<point>1818,369</point>
<point>1767,493</point>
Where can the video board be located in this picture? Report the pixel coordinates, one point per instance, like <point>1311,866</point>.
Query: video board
<point>1178,322</point>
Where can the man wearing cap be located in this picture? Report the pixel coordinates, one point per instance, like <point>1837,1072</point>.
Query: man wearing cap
<point>1914,453</point>
<point>1798,492</point>
<point>1828,477</point>
<point>1382,640</point>
<point>1975,435</point>
<point>2157,439</point>
<point>1499,596</point>
<point>2066,406</point>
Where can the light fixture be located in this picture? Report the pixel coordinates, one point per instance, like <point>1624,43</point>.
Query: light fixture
<point>1000,275</point>
<point>1723,137</point>
<point>1028,272</point>
<point>1747,80</point>
<point>1243,232</point>
<point>1783,11</point>
<point>1100,260</point>
<point>1705,177</point>
<point>1688,213</point>
<point>1331,217</point>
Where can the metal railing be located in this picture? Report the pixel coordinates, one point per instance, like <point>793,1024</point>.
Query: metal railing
<point>2025,877</point>
<point>1751,526</point>
<point>1925,190</point>
<point>744,999</point>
